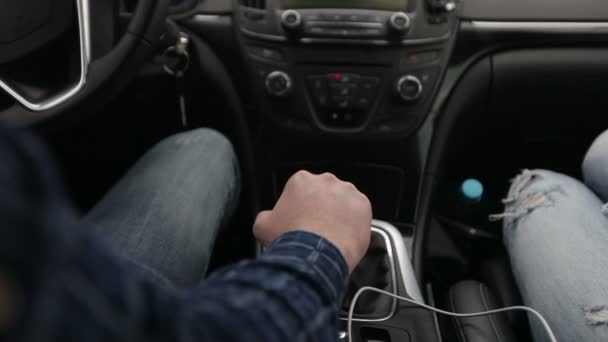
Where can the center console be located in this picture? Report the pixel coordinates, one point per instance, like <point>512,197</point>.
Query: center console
<point>346,67</point>
<point>353,70</point>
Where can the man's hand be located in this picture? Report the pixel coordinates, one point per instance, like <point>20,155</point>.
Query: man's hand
<point>324,205</point>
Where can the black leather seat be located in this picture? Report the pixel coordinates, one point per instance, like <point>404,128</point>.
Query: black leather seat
<point>496,274</point>
<point>473,296</point>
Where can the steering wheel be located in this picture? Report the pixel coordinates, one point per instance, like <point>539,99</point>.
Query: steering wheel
<point>100,79</point>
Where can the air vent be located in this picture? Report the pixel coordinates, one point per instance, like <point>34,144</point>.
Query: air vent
<point>261,4</point>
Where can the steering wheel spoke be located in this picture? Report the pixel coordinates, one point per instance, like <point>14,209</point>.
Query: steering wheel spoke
<point>95,82</point>
<point>84,36</point>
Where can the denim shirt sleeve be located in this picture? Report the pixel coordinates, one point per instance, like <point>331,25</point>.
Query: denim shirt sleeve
<point>291,293</point>
<point>75,290</point>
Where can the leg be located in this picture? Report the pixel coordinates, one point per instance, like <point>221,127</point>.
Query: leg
<point>165,213</point>
<point>595,167</point>
<point>557,238</point>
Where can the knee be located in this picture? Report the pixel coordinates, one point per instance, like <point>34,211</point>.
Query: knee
<point>206,151</point>
<point>533,181</point>
<point>207,141</point>
<point>534,189</point>
<point>595,165</point>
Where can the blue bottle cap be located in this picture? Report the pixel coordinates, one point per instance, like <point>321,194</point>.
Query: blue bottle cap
<point>472,189</point>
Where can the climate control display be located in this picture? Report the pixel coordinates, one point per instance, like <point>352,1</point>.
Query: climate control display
<point>343,91</point>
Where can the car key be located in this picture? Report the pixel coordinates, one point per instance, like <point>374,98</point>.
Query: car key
<point>176,63</point>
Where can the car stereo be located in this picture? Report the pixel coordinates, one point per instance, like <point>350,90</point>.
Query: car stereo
<point>346,67</point>
<point>384,5</point>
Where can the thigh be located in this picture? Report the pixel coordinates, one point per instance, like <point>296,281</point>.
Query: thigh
<point>557,238</point>
<point>595,166</point>
<point>165,213</point>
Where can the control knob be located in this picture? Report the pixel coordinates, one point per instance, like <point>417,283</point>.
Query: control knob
<point>399,23</point>
<point>291,20</point>
<point>409,88</point>
<point>278,83</point>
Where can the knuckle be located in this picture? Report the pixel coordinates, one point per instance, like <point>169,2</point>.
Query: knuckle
<point>365,200</point>
<point>301,174</point>
<point>328,176</point>
<point>297,178</point>
<point>351,186</point>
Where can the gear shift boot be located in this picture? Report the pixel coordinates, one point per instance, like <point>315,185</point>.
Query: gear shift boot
<point>377,270</point>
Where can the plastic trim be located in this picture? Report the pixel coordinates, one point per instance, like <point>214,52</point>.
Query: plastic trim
<point>83,11</point>
<point>540,27</point>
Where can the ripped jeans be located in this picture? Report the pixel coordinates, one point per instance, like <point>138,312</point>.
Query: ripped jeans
<point>556,233</point>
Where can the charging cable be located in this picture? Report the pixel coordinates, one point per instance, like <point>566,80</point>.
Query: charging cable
<point>351,311</point>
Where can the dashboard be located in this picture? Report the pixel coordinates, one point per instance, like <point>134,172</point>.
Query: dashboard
<point>351,68</point>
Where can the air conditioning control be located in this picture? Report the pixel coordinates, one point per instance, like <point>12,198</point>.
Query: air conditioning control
<point>409,88</point>
<point>291,20</point>
<point>278,83</point>
<point>399,23</point>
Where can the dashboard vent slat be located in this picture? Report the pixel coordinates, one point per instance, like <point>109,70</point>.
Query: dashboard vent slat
<point>259,4</point>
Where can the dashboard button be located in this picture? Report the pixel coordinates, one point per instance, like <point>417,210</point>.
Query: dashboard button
<point>426,76</point>
<point>343,101</point>
<point>334,17</point>
<point>313,17</point>
<point>419,58</point>
<point>371,32</point>
<point>363,102</point>
<point>266,53</point>
<point>358,18</point>
<point>319,90</point>
<point>369,83</point>
<point>318,84</point>
<point>342,91</point>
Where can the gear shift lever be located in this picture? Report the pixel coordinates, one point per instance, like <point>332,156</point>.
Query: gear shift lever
<point>376,270</point>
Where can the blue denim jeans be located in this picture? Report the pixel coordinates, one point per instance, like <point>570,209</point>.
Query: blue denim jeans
<point>556,233</point>
<point>164,215</point>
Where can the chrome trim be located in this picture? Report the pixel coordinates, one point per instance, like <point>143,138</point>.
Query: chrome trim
<point>389,252</point>
<point>422,41</point>
<point>285,77</point>
<point>393,22</point>
<point>539,27</point>
<point>344,24</point>
<point>378,42</point>
<point>296,24</point>
<point>411,78</point>
<point>405,265</point>
<point>353,41</point>
<point>82,7</point>
<point>209,18</point>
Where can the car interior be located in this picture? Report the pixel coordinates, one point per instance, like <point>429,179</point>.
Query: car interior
<point>429,107</point>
